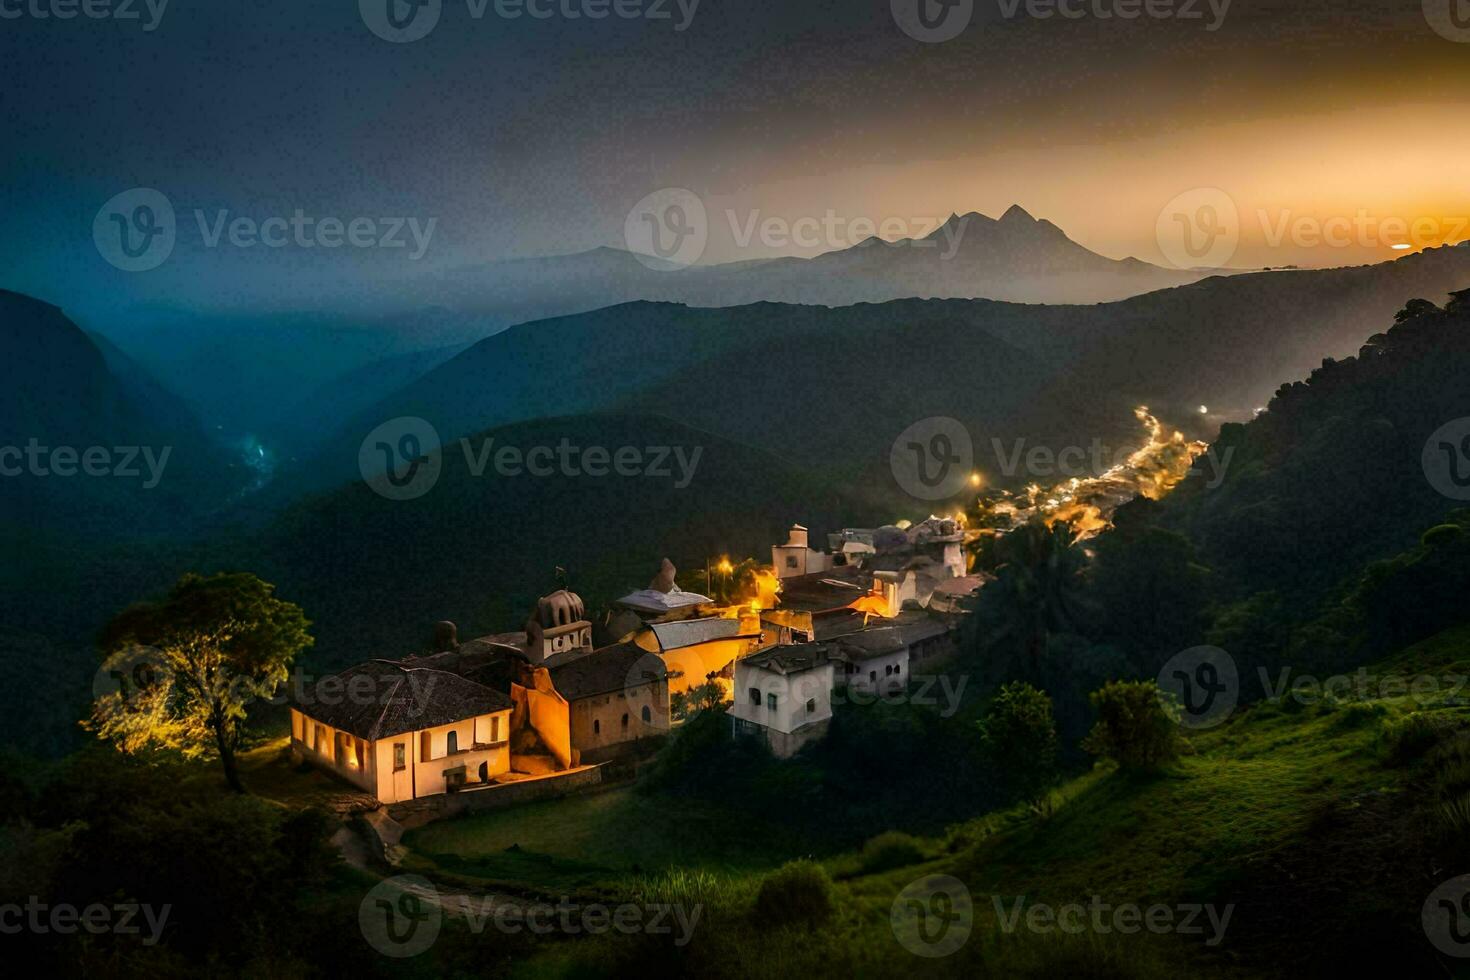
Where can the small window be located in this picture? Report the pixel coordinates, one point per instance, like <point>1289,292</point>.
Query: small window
<point>755,696</point>
<point>625,720</point>
<point>811,706</point>
<point>400,757</point>
<point>888,671</point>
<point>647,715</point>
<point>791,561</point>
<point>452,743</point>
<point>872,675</point>
<point>898,668</point>
<point>597,728</point>
<point>771,702</point>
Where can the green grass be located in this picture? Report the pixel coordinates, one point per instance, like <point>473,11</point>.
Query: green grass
<point>604,839</point>
<point>1302,817</point>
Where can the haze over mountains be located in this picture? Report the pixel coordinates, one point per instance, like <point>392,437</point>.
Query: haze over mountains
<point>215,362</point>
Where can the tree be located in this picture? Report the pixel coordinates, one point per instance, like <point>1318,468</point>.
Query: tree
<point>1039,586</point>
<point>190,664</point>
<point>1414,309</point>
<point>1020,737</point>
<point>1137,726</point>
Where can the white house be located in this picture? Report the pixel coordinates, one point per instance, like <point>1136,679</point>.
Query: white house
<point>783,696</point>
<point>796,556</point>
<point>400,732</point>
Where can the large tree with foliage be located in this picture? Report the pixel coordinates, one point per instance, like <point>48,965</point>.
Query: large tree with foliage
<point>190,664</point>
<point>1039,588</point>
<point>1020,735</point>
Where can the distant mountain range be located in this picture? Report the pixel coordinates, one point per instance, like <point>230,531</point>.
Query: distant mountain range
<point>259,374</point>
<point>1016,258</point>
<point>834,387</point>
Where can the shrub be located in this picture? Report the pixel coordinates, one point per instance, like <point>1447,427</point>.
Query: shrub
<point>891,850</point>
<point>1408,737</point>
<point>797,893</point>
<point>1137,727</point>
<point>1020,735</point>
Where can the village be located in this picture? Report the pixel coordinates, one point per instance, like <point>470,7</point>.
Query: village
<point>538,712</point>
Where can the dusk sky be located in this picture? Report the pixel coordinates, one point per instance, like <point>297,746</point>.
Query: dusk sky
<point>533,136</point>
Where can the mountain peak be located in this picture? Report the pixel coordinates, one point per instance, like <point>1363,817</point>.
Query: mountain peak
<point>1015,213</point>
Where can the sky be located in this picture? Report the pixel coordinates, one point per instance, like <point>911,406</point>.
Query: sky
<point>1331,129</point>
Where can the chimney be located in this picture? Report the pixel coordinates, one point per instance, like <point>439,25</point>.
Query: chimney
<point>446,636</point>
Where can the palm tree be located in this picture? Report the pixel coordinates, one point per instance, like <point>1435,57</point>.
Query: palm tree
<point>1038,586</point>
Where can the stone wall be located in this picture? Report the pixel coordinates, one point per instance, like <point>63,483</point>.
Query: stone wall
<point>416,813</point>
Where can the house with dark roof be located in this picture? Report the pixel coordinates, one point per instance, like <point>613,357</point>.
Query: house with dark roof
<point>783,696</point>
<point>618,695</point>
<point>400,732</point>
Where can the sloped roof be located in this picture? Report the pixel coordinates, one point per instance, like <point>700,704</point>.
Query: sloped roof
<point>789,659</point>
<point>690,632</point>
<point>382,698</point>
<point>654,601</point>
<point>615,668</point>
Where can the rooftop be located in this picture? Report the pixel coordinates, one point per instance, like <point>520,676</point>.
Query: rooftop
<point>604,671</point>
<point>790,659</point>
<point>382,698</point>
